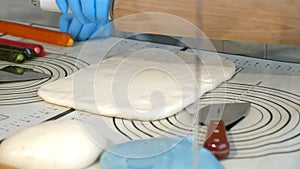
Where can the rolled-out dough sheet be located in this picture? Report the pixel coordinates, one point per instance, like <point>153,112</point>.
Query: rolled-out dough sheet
<point>146,84</point>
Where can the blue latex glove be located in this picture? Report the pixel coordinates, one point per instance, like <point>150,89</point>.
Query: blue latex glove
<point>157,153</point>
<point>86,10</point>
<point>83,31</point>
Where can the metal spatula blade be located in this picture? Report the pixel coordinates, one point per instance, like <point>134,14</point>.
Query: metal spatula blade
<point>230,113</point>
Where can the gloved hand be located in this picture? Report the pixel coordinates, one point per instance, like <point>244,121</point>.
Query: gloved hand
<point>83,31</point>
<point>86,11</point>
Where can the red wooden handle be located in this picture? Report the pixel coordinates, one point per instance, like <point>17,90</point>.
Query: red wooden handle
<point>216,139</point>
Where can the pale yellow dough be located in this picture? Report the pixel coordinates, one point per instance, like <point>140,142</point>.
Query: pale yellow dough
<point>52,145</point>
<point>148,84</point>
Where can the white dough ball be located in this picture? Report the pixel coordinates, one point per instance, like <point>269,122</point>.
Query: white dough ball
<point>55,145</point>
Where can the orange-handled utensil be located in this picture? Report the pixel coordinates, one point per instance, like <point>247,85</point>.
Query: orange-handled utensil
<point>36,33</point>
<point>4,166</point>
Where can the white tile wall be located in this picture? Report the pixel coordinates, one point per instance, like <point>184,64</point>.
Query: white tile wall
<point>284,53</point>
<point>245,48</point>
<point>23,10</point>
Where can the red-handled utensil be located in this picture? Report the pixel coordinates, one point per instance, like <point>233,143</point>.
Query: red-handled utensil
<point>216,140</point>
<point>37,49</point>
<point>220,118</point>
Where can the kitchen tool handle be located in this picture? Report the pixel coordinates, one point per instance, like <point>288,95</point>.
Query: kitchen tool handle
<point>36,33</point>
<point>4,166</point>
<point>216,139</point>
